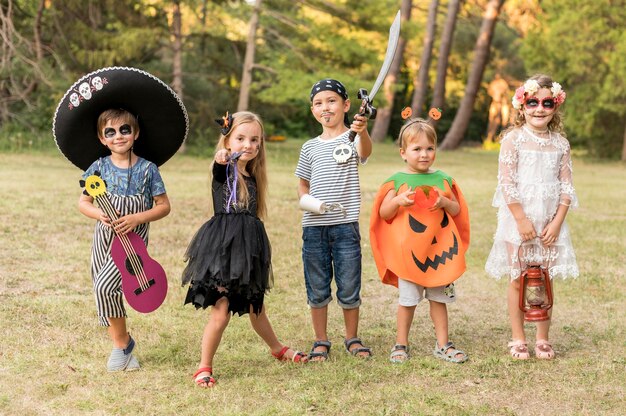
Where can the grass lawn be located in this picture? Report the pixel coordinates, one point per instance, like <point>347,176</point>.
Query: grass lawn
<point>53,354</point>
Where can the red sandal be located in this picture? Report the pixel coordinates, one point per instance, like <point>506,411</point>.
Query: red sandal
<point>205,381</point>
<point>298,356</point>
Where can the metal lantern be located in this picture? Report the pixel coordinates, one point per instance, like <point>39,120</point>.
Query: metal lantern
<point>535,294</point>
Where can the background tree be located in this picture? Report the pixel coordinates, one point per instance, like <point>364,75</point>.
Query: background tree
<point>481,55</point>
<point>445,46</point>
<point>591,68</point>
<point>420,83</point>
<point>383,118</point>
<point>248,61</point>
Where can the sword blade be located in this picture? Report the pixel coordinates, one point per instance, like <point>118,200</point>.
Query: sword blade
<point>392,45</point>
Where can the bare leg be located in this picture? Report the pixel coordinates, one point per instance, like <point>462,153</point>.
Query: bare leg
<point>543,327</point>
<point>118,332</point>
<point>516,316</point>
<point>212,336</point>
<point>439,315</point>
<point>319,316</point>
<point>403,324</point>
<point>351,319</point>
<point>262,326</point>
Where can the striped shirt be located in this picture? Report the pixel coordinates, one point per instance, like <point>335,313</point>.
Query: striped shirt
<point>330,181</point>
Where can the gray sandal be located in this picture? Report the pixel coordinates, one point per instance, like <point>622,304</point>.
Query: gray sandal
<point>449,353</point>
<point>323,355</point>
<point>399,354</point>
<point>356,351</point>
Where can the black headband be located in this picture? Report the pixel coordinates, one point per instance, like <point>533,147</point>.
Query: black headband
<point>329,85</point>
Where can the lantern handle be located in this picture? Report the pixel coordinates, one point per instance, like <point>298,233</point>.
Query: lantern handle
<point>519,259</point>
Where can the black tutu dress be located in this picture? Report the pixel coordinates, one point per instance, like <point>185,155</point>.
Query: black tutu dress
<point>230,255</point>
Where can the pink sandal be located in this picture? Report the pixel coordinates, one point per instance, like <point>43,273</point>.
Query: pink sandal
<point>543,350</point>
<point>519,349</point>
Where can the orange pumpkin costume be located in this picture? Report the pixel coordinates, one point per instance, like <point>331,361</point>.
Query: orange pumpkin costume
<point>417,245</point>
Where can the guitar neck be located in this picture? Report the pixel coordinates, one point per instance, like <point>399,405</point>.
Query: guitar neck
<point>105,204</point>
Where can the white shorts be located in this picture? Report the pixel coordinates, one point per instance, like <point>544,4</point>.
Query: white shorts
<point>410,294</point>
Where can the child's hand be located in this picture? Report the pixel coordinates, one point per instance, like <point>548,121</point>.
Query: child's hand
<point>526,229</point>
<point>125,224</point>
<point>550,233</point>
<point>441,201</point>
<point>359,125</point>
<point>104,218</point>
<point>222,156</point>
<point>405,198</point>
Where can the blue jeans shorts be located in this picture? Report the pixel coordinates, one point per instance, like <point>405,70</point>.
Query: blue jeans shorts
<point>332,250</point>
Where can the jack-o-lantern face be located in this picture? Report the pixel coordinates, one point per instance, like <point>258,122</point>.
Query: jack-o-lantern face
<point>444,244</point>
<point>435,113</point>
<point>406,113</point>
<point>420,244</point>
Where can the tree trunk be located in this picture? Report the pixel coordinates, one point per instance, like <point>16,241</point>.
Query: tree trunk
<point>420,83</point>
<point>248,60</point>
<point>439,92</point>
<point>624,147</point>
<point>177,64</point>
<point>481,57</point>
<point>383,116</point>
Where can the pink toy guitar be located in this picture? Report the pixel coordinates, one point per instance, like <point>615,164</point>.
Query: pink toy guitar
<point>143,279</point>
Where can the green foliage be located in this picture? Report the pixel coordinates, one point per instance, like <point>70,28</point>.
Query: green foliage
<point>592,70</point>
<point>300,42</point>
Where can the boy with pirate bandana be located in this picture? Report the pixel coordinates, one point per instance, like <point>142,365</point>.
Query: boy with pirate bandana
<point>329,193</point>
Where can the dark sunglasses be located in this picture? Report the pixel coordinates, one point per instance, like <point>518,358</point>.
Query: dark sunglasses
<point>125,130</point>
<point>545,103</point>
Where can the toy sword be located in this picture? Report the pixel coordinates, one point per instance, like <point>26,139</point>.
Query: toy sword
<point>367,109</point>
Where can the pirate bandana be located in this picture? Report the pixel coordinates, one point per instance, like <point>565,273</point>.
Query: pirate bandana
<point>329,85</point>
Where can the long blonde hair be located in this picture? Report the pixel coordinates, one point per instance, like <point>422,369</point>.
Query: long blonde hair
<point>255,167</point>
<point>556,124</point>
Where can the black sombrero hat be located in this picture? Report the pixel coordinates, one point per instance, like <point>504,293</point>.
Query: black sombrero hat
<point>163,120</point>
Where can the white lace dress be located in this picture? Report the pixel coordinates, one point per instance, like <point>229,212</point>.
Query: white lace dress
<point>536,172</point>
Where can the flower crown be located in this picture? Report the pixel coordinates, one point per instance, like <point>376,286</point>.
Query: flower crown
<point>531,87</point>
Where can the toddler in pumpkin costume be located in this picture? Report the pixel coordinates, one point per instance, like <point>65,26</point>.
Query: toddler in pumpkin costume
<point>419,232</point>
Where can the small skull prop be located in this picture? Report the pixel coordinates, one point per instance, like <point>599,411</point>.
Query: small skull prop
<point>97,83</point>
<point>74,100</point>
<point>342,153</point>
<point>85,90</point>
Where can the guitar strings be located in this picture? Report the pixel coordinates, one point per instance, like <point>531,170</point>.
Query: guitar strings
<point>126,244</point>
<point>130,253</point>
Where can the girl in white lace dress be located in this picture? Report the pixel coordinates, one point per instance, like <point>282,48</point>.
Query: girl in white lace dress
<point>534,193</point>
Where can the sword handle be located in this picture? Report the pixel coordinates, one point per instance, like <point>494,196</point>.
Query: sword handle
<point>366,109</point>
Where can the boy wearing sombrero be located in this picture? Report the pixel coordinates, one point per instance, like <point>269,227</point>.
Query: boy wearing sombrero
<point>119,124</point>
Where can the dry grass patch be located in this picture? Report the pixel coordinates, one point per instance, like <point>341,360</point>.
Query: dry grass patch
<point>52,355</point>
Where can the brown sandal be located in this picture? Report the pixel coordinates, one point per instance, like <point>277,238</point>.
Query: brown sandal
<point>519,349</point>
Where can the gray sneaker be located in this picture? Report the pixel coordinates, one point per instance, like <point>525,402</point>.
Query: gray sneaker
<point>122,359</point>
